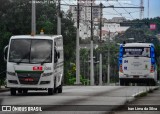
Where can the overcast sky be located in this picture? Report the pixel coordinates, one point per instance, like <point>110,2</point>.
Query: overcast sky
<point>134,13</point>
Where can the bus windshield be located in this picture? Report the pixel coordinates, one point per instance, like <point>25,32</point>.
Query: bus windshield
<point>136,52</point>
<point>30,51</point>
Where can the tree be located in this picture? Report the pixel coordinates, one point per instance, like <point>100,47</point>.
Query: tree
<point>15,19</point>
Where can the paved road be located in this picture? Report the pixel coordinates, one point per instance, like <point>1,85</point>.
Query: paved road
<point>99,97</point>
<point>151,101</point>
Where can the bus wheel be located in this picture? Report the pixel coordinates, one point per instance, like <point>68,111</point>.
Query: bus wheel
<point>60,89</point>
<point>153,83</point>
<point>25,91</point>
<point>55,88</point>
<point>121,82</point>
<point>126,83</point>
<point>19,90</point>
<point>50,91</point>
<point>13,91</point>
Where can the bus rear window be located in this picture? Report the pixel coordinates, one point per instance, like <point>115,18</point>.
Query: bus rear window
<point>136,52</point>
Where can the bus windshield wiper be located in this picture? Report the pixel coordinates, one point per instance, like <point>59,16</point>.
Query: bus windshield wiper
<point>45,59</point>
<point>23,57</point>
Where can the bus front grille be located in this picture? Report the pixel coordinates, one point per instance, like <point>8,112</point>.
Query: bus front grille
<point>29,78</point>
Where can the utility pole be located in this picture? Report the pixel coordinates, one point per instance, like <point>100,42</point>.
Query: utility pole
<point>33,29</point>
<point>108,73</point>
<point>59,18</point>
<point>77,48</point>
<point>100,56</point>
<point>100,22</point>
<point>148,9</point>
<point>141,9</point>
<point>92,64</point>
<point>100,69</point>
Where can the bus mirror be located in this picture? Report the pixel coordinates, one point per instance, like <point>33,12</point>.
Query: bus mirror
<point>5,51</point>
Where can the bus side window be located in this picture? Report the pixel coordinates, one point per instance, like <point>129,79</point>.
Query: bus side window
<point>55,55</point>
<point>58,55</point>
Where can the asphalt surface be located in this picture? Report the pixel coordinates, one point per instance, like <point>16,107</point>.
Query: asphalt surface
<point>76,99</point>
<point>151,101</point>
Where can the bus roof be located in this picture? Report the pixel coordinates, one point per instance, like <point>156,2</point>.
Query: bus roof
<point>35,36</point>
<point>137,45</point>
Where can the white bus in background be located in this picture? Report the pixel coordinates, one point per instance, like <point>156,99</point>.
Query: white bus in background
<point>34,63</point>
<point>137,64</point>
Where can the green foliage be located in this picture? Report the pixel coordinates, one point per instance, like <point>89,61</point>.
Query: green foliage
<point>83,81</point>
<point>3,42</point>
<point>141,33</point>
<point>114,50</point>
<point>103,49</point>
<point>15,19</point>
<point>71,76</point>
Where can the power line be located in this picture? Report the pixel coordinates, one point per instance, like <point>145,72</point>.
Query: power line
<point>105,13</point>
<point>67,3</point>
<point>109,13</point>
<point>116,11</point>
<point>131,4</point>
<point>125,9</point>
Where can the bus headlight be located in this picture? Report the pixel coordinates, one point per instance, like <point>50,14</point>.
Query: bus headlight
<point>11,73</point>
<point>47,74</point>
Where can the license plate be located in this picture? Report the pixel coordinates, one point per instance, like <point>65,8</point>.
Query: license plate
<point>28,79</point>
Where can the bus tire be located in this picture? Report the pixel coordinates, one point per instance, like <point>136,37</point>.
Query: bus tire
<point>121,82</point>
<point>126,83</point>
<point>13,91</point>
<point>153,83</point>
<point>55,88</point>
<point>50,91</point>
<point>60,88</point>
<point>19,90</point>
<point>25,91</point>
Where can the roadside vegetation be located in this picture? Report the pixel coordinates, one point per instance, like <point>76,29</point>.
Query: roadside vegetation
<point>15,19</point>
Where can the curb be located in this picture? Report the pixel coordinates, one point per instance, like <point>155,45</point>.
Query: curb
<point>144,93</point>
<point>137,95</point>
<point>4,89</point>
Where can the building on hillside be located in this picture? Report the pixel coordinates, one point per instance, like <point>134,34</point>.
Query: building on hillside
<point>111,26</point>
<point>117,19</point>
<point>85,30</point>
<point>114,27</point>
<point>85,11</point>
